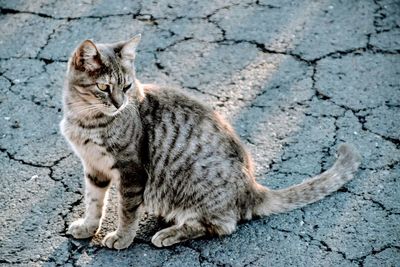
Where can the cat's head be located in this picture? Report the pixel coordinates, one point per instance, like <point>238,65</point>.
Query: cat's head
<point>101,77</point>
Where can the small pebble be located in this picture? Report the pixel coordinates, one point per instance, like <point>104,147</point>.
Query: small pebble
<point>15,125</point>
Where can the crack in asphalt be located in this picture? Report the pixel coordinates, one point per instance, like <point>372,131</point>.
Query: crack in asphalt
<point>54,31</point>
<point>32,164</point>
<point>377,203</point>
<point>307,238</point>
<point>6,11</point>
<point>361,260</point>
<point>47,61</point>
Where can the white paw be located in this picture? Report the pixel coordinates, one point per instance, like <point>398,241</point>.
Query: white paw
<point>81,229</point>
<point>118,240</point>
<point>165,238</point>
<point>156,240</point>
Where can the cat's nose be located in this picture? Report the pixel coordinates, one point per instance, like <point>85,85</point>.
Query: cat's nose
<point>117,100</point>
<point>117,104</point>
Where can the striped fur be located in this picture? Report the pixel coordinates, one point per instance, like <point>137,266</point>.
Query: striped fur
<point>168,153</point>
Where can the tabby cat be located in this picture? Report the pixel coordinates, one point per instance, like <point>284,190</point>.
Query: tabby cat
<point>168,154</point>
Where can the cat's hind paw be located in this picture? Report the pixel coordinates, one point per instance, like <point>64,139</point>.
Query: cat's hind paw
<point>81,229</point>
<point>118,240</point>
<point>166,237</point>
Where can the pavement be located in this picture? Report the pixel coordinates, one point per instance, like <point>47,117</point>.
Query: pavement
<point>295,78</point>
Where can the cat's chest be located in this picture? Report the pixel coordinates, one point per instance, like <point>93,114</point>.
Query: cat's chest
<point>97,158</point>
<point>89,146</point>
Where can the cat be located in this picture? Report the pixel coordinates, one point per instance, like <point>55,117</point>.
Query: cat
<point>168,154</point>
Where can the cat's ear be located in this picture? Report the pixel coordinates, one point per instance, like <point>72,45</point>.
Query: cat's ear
<point>87,57</point>
<point>128,50</point>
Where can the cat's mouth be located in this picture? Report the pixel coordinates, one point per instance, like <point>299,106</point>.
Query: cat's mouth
<point>115,111</point>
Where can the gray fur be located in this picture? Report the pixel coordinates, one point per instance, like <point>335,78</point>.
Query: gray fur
<point>168,153</point>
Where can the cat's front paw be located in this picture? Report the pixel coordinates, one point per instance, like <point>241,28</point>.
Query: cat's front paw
<point>118,240</point>
<point>80,229</point>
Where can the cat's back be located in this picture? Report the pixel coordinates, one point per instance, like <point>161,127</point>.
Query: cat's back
<point>173,100</point>
<point>170,112</point>
<point>173,110</point>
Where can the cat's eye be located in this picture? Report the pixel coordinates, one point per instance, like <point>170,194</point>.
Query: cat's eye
<point>103,86</point>
<point>126,88</point>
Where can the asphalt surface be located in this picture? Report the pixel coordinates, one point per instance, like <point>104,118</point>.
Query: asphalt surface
<point>295,78</point>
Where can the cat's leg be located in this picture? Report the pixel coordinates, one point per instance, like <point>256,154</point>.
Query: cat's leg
<point>223,224</point>
<point>129,213</point>
<point>95,193</point>
<point>175,234</point>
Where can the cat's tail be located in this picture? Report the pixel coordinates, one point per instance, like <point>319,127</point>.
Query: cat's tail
<point>314,189</point>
